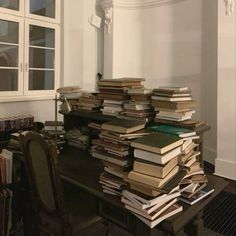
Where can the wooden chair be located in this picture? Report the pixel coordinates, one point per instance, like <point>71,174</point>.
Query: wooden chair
<point>56,212</point>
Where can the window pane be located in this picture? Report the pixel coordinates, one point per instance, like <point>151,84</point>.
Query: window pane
<point>9,31</point>
<point>41,58</point>
<point>41,36</point>
<point>41,80</point>
<point>8,79</point>
<point>10,4</point>
<point>8,55</point>
<point>43,7</point>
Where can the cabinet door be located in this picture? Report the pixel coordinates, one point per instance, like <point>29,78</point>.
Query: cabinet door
<point>11,55</point>
<point>46,10</point>
<point>42,57</point>
<point>15,7</point>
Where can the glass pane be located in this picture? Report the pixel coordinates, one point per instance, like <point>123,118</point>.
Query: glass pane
<point>8,55</point>
<point>41,58</point>
<point>43,7</point>
<point>9,31</point>
<point>41,80</point>
<point>8,79</point>
<point>41,36</point>
<point>10,4</point>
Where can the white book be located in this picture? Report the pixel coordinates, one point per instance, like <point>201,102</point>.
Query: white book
<point>174,209</point>
<point>198,196</point>
<point>172,99</point>
<point>157,158</point>
<point>153,215</point>
<point>173,88</point>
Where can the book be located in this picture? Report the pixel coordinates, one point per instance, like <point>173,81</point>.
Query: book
<point>169,129</point>
<point>157,158</point>
<point>172,99</point>
<point>143,91</point>
<point>152,181</point>
<point>174,105</point>
<point>189,194</point>
<point>155,170</point>
<point>153,215</point>
<point>157,142</point>
<point>123,125</point>
<point>174,209</point>
<point>172,88</point>
<point>206,191</point>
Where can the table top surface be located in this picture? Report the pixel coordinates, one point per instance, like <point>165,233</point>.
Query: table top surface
<point>81,169</point>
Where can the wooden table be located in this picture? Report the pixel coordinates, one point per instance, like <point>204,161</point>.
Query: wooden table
<point>79,168</point>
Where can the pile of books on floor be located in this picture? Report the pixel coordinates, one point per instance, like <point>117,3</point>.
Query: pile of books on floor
<point>113,148</point>
<point>89,102</point>
<point>139,105</point>
<point>114,93</point>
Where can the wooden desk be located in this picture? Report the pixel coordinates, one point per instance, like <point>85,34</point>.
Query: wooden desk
<point>79,168</point>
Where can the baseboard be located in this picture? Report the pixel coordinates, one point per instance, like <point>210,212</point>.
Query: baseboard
<point>209,154</point>
<point>225,168</point>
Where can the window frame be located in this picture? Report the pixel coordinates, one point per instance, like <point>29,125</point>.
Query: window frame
<point>20,21</point>
<point>24,17</point>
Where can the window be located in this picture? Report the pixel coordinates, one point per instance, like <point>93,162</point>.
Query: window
<point>29,48</point>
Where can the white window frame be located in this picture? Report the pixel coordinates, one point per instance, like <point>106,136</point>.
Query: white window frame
<point>24,17</point>
<point>19,12</point>
<point>20,21</point>
<point>29,22</point>
<point>44,18</point>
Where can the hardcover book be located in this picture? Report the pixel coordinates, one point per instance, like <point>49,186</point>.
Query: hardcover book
<point>157,142</point>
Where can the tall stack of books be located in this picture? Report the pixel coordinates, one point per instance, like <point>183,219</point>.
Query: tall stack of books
<point>89,102</point>
<point>114,93</point>
<point>154,179</point>
<point>113,148</point>
<point>139,105</point>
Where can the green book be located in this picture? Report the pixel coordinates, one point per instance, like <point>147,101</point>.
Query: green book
<point>174,130</point>
<point>157,142</point>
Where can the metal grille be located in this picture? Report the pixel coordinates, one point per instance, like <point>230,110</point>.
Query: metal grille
<point>220,215</point>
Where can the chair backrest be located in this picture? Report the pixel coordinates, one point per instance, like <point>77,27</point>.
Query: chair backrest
<point>40,165</point>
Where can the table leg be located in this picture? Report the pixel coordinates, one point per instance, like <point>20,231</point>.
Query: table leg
<point>195,227</point>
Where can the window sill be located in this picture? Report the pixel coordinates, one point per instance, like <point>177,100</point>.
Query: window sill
<point>26,98</point>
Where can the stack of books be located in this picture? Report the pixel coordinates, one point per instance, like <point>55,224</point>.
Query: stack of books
<point>155,166</point>
<point>114,93</point>
<point>89,102</point>
<point>70,92</point>
<point>139,105</point>
<point>173,103</point>
<point>113,148</point>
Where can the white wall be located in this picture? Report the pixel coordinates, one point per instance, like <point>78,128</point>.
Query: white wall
<point>226,114</point>
<point>170,44</point>
<point>81,56</point>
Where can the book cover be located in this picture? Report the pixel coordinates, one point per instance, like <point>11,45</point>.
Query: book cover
<point>157,142</point>
<point>169,129</point>
<point>123,125</point>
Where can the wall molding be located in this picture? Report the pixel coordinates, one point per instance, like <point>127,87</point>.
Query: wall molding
<point>229,6</point>
<point>225,168</point>
<point>135,4</point>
